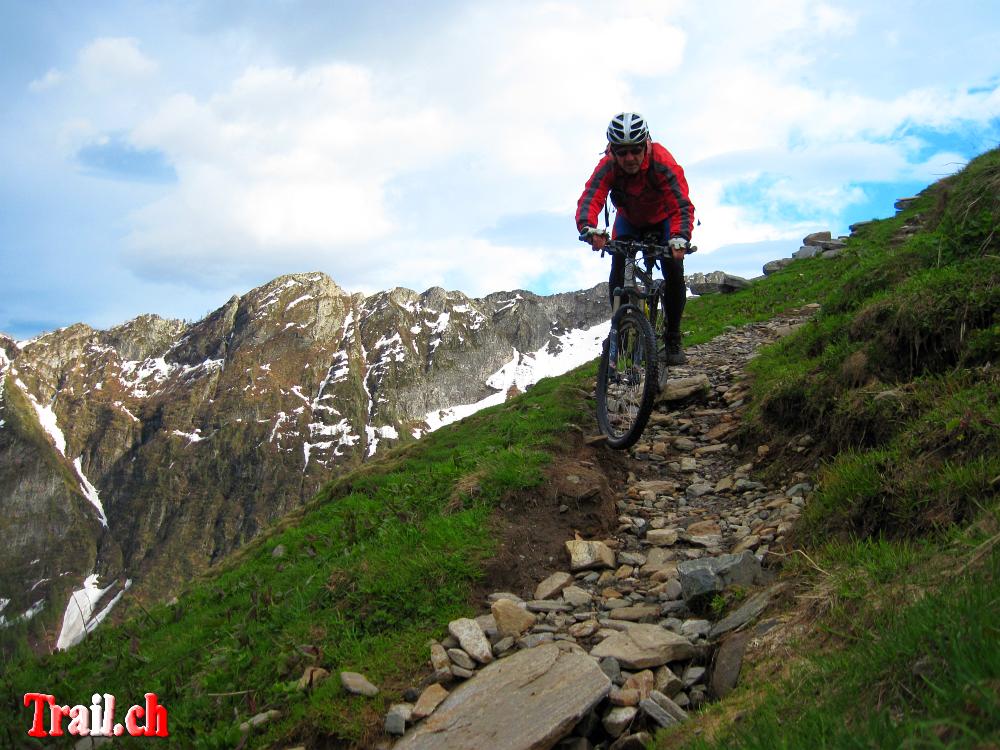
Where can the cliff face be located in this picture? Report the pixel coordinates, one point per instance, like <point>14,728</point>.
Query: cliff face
<point>147,451</point>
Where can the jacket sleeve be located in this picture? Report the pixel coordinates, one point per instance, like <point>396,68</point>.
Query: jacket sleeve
<point>588,208</point>
<point>679,207</point>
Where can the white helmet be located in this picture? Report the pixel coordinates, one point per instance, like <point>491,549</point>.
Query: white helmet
<point>627,128</point>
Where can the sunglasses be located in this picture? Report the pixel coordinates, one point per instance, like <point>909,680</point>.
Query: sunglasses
<point>628,150</point>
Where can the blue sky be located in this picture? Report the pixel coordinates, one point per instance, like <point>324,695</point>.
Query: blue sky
<point>161,157</point>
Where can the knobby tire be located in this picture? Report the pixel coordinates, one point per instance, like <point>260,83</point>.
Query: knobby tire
<point>625,392</point>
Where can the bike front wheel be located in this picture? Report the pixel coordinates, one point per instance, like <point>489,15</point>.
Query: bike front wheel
<point>627,379</point>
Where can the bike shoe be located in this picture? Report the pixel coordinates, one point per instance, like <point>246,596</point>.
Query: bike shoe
<point>673,353</point>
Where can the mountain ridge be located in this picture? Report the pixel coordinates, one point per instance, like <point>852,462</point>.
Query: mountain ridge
<point>189,438</point>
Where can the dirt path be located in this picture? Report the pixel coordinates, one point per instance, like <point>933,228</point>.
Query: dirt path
<point>654,599</point>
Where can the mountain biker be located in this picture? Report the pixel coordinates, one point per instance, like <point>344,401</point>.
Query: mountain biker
<point>648,189</point>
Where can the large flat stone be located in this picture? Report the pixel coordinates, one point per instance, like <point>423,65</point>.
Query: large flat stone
<point>747,612</point>
<point>681,388</point>
<point>728,661</point>
<point>528,701</point>
<point>552,585</point>
<point>642,646</point>
<point>636,612</point>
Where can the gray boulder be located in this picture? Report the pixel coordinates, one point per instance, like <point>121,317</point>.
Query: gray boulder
<point>717,282</point>
<point>711,575</point>
<point>776,265</point>
<point>816,238</point>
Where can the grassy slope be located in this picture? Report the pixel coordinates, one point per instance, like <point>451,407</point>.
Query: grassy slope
<point>377,563</point>
<point>383,558</point>
<point>897,380</point>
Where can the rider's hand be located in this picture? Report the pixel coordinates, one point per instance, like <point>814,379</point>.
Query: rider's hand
<point>596,237</point>
<point>678,247</point>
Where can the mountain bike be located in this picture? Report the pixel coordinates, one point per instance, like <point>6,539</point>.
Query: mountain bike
<point>628,375</point>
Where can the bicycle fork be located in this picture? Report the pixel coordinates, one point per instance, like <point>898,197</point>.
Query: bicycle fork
<point>628,283</point>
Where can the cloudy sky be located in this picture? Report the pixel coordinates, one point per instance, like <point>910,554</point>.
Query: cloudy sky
<point>162,156</point>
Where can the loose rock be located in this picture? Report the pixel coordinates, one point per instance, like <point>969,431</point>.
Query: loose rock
<point>588,554</point>
<point>472,639</point>
<point>511,618</point>
<point>357,684</point>
<point>642,646</point>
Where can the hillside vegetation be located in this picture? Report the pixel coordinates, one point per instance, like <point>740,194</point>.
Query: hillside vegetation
<point>896,383</point>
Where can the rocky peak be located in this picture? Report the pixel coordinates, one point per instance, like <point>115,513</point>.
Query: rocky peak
<point>191,438</point>
<point>142,337</point>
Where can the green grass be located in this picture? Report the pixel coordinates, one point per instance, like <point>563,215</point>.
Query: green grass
<point>895,377</point>
<point>803,282</point>
<point>896,380</point>
<point>377,564</point>
<point>920,676</point>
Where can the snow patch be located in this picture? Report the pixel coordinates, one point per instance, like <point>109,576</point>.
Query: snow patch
<point>79,618</point>
<point>135,374</point>
<point>124,408</point>
<point>192,437</point>
<point>280,419</point>
<point>27,615</point>
<point>374,434</point>
<point>272,297</point>
<point>33,610</point>
<point>394,350</point>
<point>342,432</point>
<point>440,324</point>
<point>294,302</point>
<point>90,492</point>
<point>47,418</point>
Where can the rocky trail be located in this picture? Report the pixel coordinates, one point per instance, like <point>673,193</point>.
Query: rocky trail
<point>644,625</point>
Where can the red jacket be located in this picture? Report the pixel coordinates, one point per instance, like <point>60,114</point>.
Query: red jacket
<point>656,192</point>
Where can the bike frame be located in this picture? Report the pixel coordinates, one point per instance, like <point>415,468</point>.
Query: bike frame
<point>638,283</point>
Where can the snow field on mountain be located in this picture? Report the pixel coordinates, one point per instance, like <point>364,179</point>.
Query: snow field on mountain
<point>571,349</point>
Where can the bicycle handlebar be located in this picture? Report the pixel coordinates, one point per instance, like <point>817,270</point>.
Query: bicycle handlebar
<point>633,247</point>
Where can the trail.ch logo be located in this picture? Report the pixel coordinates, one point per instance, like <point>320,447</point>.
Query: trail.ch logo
<point>97,720</point>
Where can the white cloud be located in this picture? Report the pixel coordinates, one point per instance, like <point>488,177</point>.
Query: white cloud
<point>834,20</point>
<point>50,80</point>
<point>108,62</point>
<point>383,172</point>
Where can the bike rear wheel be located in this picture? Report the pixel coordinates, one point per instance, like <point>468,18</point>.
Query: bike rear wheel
<point>627,384</point>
